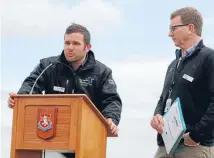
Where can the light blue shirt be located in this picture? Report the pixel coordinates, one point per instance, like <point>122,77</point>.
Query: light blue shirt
<point>188,52</point>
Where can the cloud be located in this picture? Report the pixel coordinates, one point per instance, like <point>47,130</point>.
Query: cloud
<point>140,80</point>
<point>40,17</point>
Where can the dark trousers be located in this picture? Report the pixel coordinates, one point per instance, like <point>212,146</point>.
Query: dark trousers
<point>69,155</point>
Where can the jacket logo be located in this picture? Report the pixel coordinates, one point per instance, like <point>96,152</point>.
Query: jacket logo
<point>86,81</point>
<point>171,69</point>
<point>111,81</point>
<point>193,66</point>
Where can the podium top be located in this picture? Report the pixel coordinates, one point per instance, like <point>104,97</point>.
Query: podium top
<point>49,95</point>
<point>83,96</point>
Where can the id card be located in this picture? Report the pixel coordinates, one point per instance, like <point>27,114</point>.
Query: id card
<point>168,105</point>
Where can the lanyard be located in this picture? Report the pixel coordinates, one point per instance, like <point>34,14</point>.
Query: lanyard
<point>175,73</point>
<point>169,100</point>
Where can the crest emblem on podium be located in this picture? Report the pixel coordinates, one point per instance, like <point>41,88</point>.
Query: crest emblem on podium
<point>45,122</point>
<point>46,126</point>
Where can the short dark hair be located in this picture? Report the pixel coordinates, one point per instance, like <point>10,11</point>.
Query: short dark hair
<point>77,28</point>
<point>190,15</point>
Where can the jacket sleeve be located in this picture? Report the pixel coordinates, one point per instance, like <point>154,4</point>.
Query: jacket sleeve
<point>31,79</point>
<point>160,106</point>
<point>110,99</point>
<point>207,121</point>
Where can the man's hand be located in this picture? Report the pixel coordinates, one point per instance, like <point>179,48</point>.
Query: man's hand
<point>11,101</point>
<point>157,123</point>
<point>112,126</point>
<point>188,141</point>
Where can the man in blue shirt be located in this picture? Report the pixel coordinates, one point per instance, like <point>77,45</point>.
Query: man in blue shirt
<point>191,78</point>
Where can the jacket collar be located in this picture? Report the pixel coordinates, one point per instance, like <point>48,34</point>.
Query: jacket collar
<point>87,64</point>
<point>197,48</point>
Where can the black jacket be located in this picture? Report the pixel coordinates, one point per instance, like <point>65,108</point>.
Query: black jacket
<point>196,93</point>
<point>92,78</point>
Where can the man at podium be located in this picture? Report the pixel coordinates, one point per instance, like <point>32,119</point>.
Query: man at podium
<point>76,71</point>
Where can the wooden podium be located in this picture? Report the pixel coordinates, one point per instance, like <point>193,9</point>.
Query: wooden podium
<point>67,122</point>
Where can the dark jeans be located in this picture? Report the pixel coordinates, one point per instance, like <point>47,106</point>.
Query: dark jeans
<point>69,155</point>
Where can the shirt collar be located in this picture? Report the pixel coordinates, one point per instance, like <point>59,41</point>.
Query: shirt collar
<point>188,52</point>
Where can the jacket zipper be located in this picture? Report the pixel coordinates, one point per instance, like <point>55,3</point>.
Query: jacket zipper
<point>68,80</point>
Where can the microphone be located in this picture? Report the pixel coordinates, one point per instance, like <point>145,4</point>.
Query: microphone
<point>51,64</point>
<point>31,91</point>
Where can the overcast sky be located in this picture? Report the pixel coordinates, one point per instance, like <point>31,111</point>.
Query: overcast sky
<point>128,36</point>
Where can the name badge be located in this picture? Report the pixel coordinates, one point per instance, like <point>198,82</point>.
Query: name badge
<point>59,89</point>
<point>188,78</point>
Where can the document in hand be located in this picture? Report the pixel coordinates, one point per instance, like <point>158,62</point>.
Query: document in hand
<point>174,127</point>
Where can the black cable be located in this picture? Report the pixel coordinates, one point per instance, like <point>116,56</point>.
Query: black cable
<point>43,153</point>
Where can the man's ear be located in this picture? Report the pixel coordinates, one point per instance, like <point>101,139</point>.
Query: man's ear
<point>87,48</point>
<point>191,29</point>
